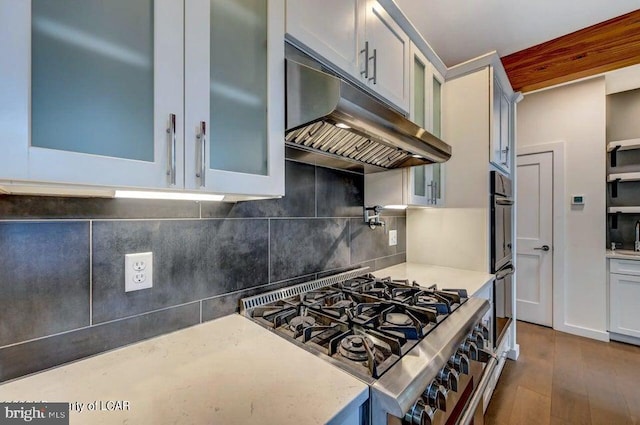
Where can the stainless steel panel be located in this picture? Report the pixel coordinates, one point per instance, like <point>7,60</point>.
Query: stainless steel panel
<point>314,96</point>
<point>397,390</point>
<point>290,291</point>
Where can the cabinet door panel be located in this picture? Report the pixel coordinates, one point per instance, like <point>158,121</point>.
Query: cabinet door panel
<point>496,123</point>
<point>92,77</point>
<point>238,75</point>
<point>389,71</point>
<point>14,88</point>
<point>234,62</point>
<point>625,298</point>
<point>505,118</point>
<point>331,28</point>
<point>100,91</point>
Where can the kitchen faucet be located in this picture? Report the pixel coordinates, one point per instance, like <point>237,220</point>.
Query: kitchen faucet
<point>637,244</point>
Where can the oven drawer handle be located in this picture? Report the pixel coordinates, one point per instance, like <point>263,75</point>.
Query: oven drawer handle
<point>478,394</point>
<point>501,274</point>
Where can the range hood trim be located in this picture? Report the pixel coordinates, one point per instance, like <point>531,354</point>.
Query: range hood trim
<point>387,140</point>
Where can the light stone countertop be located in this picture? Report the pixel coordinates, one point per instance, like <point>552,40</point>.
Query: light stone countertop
<point>228,371</point>
<point>444,277</point>
<point>624,254</point>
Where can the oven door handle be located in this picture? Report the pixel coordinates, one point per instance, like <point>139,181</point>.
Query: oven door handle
<point>504,201</point>
<point>478,394</point>
<point>501,274</point>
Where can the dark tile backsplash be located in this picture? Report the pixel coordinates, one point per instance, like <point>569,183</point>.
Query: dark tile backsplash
<point>303,246</point>
<point>62,281</point>
<point>192,260</point>
<point>22,359</point>
<point>44,279</point>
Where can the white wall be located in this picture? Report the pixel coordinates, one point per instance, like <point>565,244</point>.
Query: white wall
<point>576,115</point>
<point>457,236</point>
<point>449,237</point>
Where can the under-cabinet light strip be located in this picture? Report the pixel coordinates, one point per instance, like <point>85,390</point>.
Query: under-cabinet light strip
<point>137,194</point>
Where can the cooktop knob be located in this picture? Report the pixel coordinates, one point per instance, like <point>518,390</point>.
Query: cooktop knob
<point>483,330</point>
<point>478,338</point>
<point>436,396</point>
<point>420,414</point>
<point>460,362</point>
<point>470,349</point>
<point>448,377</point>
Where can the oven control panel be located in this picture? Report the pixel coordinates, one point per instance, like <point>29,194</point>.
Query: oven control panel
<point>443,400</point>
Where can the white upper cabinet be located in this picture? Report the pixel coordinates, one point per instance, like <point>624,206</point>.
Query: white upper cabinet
<point>96,93</point>
<point>422,185</point>
<point>426,182</point>
<point>387,46</point>
<point>360,38</point>
<point>334,29</point>
<point>91,92</point>
<point>501,125</point>
<point>234,86</point>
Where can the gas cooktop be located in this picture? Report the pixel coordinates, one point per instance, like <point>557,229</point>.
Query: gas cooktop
<point>363,323</point>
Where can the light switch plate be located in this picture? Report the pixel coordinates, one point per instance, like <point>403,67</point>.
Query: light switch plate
<point>138,271</point>
<point>393,237</point>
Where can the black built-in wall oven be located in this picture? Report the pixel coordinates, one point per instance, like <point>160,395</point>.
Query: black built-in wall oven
<point>501,253</point>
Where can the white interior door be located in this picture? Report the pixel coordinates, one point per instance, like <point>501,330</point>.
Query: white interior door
<point>534,209</point>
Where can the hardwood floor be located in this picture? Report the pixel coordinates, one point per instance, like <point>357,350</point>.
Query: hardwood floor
<point>562,379</point>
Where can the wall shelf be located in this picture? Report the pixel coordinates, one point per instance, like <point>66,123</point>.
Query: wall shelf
<point>625,210</point>
<point>621,145</point>
<point>616,211</point>
<point>624,177</point>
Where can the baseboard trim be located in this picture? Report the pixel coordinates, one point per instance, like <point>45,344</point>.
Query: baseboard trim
<point>582,331</point>
<point>514,353</point>
<point>624,338</point>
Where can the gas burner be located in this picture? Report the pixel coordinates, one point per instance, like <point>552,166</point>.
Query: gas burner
<point>398,319</point>
<point>354,347</point>
<point>298,323</point>
<point>377,292</point>
<point>434,300</point>
<point>427,299</point>
<point>343,304</point>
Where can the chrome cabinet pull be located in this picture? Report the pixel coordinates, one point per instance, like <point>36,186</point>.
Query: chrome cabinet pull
<point>171,150</point>
<point>435,193</point>
<point>365,72</point>
<point>375,66</point>
<point>201,172</point>
<point>505,151</point>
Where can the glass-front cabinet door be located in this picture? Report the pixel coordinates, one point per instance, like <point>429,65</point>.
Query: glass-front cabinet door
<point>426,181</point>
<point>234,83</point>
<point>92,92</point>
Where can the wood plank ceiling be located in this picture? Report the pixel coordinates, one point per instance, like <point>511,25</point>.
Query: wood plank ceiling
<point>593,50</point>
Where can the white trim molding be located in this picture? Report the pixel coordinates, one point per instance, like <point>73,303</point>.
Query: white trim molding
<point>559,286</point>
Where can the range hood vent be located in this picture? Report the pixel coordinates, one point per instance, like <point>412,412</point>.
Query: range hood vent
<point>331,122</point>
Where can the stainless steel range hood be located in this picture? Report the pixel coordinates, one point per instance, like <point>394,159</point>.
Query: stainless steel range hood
<point>331,122</point>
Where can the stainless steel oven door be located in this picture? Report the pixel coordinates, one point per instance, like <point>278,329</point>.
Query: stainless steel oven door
<point>501,234</point>
<point>503,302</point>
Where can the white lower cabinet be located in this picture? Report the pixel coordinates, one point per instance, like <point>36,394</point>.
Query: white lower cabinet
<point>624,299</point>
<point>165,95</point>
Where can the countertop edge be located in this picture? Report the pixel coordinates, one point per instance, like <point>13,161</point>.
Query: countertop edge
<point>621,255</point>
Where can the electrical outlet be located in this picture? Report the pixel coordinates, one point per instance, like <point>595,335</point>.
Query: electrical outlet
<point>138,271</point>
<point>393,237</point>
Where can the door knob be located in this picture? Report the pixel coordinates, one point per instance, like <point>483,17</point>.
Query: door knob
<point>543,248</point>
